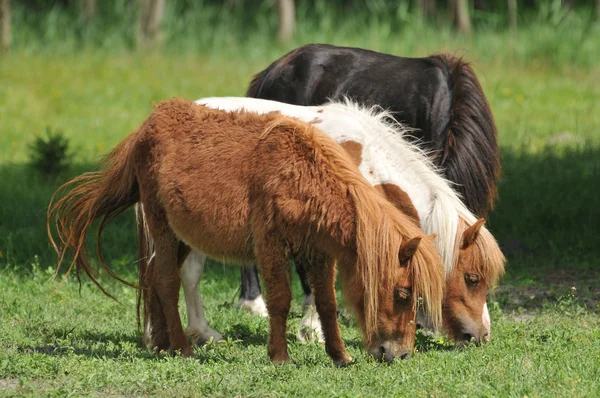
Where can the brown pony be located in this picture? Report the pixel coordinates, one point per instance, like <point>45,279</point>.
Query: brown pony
<point>242,186</point>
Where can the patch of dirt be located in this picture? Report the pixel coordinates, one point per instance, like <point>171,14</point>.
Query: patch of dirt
<point>539,288</point>
<point>523,317</point>
<point>8,383</point>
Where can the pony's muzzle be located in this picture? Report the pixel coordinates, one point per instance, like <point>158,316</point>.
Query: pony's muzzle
<point>388,351</point>
<point>473,337</point>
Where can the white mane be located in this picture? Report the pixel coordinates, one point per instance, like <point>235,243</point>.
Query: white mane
<point>387,158</point>
<point>445,204</point>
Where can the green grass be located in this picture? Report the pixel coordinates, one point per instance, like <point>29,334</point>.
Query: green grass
<point>545,340</point>
<point>62,343</point>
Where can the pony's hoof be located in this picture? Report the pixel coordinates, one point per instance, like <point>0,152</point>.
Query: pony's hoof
<point>186,352</point>
<point>278,356</point>
<point>310,327</point>
<point>256,306</point>
<point>343,361</point>
<point>282,361</point>
<point>203,336</point>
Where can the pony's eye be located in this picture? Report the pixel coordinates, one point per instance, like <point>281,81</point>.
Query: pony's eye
<point>401,294</point>
<point>472,279</point>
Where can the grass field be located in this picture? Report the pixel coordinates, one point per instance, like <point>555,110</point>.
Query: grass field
<point>546,323</point>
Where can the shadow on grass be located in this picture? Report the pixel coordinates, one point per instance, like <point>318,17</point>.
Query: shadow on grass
<point>74,342</point>
<point>96,336</point>
<point>108,345</point>
<point>546,221</point>
<point>246,334</point>
<point>547,213</point>
<point>25,196</point>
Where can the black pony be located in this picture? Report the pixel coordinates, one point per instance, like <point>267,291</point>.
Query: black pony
<point>439,96</point>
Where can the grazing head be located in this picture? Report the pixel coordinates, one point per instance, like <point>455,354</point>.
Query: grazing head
<point>395,333</point>
<point>397,267</point>
<point>479,266</point>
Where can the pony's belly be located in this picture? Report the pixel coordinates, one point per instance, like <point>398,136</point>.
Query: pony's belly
<point>223,241</point>
<point>212,218</point>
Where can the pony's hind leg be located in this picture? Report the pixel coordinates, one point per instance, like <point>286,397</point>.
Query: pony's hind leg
<point>272,260</point>
<point>322,278</point>
<point>169,254</point>
<point>166,283</point>
<point>198,328</point>
<point>156,336</point>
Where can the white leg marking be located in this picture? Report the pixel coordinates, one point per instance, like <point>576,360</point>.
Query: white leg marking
<point>310,326</point>
<point>198,328</point>
<point>256,306</point>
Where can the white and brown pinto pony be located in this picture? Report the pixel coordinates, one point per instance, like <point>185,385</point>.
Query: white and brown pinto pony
<point>405,174</point>
<point>248,187</point>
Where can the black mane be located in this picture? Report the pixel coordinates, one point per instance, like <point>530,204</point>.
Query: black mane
<point>438,95</point>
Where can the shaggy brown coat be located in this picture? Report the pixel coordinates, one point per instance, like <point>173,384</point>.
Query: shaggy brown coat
<point>241,186</point>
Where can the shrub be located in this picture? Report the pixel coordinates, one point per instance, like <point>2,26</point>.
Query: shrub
<point>49,154</point>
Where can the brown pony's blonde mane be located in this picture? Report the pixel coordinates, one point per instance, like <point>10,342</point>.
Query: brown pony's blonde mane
<point>488,260</point>
<point>380,231</point>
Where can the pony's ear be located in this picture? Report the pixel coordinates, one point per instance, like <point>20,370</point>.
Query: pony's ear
<point>471,234</point>
<point>433,236</point>
<point>408,249</point>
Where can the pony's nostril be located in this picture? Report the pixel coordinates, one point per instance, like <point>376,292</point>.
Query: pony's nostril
<point>485,338</point>
<point>469,338</point>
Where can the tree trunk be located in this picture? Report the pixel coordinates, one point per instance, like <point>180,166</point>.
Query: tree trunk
<point>287,20</point>
<point>426,9</point>
<point>512,14</point>
<point>89,9</point>
<point>5,24</point>
<point>151,15</point>
<point>463,20</point>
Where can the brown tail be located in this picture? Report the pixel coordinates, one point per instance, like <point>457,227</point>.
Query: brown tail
<point>105,194</point>
<point>471,157</point>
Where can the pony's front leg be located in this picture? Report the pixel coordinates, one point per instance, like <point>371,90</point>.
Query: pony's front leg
<point>322,278</point>
<point>272,260</point>
<point>198,328</point>
<point>310,325</point>
<point>250,297</point>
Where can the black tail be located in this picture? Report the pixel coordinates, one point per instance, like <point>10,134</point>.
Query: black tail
<point>470,157</point>
<point>257,82</point>
<point>281,70</point>
<point>262,80</point>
